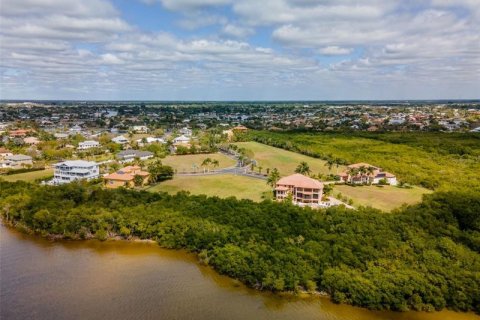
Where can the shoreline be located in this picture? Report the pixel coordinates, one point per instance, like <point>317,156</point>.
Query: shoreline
<point>303,294</point>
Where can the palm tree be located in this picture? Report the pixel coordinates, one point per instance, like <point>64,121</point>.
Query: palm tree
<point>215,163</point>
<point>337,162</point>
<point>241,159</point>
<point>362,170</point>
<point>205,163</point>
<point>352,172</point>
<point>303,168</point>
<point>330,162</point>
<point>371,171</point>
<point>273,177</point>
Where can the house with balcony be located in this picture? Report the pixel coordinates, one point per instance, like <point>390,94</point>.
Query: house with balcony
<point>69,171</point>
<point>303,190</point>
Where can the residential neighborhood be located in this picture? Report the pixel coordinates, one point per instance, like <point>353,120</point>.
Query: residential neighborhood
<point>118,144</point>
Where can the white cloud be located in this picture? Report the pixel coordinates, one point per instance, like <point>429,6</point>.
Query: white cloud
<point>334,50</point>
<point>237,31</point>
<point>51,46</point>
<point>182,5</point>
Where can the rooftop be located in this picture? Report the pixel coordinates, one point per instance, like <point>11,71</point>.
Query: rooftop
<point>300,181</point>
<point>76,163</point>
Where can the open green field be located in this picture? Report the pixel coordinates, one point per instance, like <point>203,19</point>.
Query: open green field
<point>384,198</point>
<point>222,186</point>
<point>435,160</point>
<point>28,176</point>
<point>285,161</point>
<point>185,163</point>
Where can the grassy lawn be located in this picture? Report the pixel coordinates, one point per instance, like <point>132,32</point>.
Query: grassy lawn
<point>285,161</point>
<point>222,186</point>
<point>384,198</point>
<point>28,176</point>
<point>184,163</point>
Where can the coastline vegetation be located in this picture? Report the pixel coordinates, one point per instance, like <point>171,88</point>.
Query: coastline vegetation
<point>420,257</point>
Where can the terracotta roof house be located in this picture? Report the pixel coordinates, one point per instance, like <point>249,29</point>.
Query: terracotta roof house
<point>125,177</point>
<point>304,190</point>
<point>19,133</point>
<point>363,173</point>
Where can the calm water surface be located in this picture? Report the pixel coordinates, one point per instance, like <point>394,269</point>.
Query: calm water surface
<point>40,279</point>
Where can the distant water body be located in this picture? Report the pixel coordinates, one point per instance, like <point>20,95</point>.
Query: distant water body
<point>40,279</point>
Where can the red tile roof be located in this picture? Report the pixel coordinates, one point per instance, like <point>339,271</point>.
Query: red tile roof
<point>300,181</point>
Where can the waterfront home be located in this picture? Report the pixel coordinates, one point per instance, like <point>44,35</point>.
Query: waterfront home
<point>364,173</point>
<point>130,155</point>
<point>302,189</point>
<point>5,153</point>
<point>89,144</point>
<point>17,161</point>
<point>126,177</point>
<point>68,171</point>
<point>120,140</point>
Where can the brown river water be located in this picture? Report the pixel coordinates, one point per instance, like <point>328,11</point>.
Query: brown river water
<point>40,279</point>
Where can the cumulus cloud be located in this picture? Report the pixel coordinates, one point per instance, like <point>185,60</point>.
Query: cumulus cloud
<point>334,50</point>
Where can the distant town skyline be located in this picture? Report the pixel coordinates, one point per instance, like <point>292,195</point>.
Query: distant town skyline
<point>239,50</point>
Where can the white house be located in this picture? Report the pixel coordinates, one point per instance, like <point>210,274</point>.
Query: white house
<point>60,135</point>
<point>5,153</point>
<point>140,129</point>
<point>120,140</point>
<point>75,130</point>
<point>89,144</point>
<point>181,140</point>
<point>68,171</point>
<point>149,140</point>
<point>130,155</point>
<point>16,161</point>
<point>186,131</point>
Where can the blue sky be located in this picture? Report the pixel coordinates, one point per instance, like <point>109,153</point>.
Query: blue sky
<point>239,50</point>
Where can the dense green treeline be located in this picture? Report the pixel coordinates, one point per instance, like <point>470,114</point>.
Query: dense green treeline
<point>421,257</point>
<point>440,161</point>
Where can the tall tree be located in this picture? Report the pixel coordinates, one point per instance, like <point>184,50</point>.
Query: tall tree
<point>303,168</point>
<point>273,177</point>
